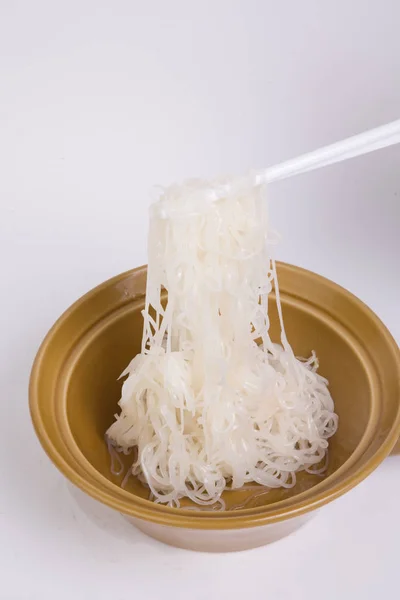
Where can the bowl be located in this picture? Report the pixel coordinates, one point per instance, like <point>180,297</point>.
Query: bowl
<point>74,393</point>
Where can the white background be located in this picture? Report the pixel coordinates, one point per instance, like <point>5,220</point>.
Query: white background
<point>98,102</point>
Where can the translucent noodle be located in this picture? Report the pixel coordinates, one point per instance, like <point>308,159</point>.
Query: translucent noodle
<point>211,401</point>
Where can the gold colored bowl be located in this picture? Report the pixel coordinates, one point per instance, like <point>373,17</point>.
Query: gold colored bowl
<point>74,393</point>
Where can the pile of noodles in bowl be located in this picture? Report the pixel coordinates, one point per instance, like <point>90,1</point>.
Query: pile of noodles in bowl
<point>250,392</point>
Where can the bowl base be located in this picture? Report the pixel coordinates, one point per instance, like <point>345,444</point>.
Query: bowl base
<point>220,540</point>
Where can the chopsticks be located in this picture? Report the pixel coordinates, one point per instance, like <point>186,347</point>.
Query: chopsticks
<point>374,139</point>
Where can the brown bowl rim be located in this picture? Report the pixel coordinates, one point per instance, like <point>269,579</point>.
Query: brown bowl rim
<point>162,515</point>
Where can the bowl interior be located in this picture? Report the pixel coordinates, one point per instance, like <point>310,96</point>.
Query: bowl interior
<point>93,390</point>
<point>75,387</point>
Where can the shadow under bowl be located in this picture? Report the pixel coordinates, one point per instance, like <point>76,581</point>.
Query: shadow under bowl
<point>74,393</point>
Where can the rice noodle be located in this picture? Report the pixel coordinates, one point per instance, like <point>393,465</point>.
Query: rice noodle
<point>115,458</point>
<point>211,401</point>
<point>247,502</point>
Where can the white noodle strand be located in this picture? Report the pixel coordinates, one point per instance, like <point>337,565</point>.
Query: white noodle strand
<point>204,404</point>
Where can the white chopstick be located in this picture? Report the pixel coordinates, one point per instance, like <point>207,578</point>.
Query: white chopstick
<point>371,140</point>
